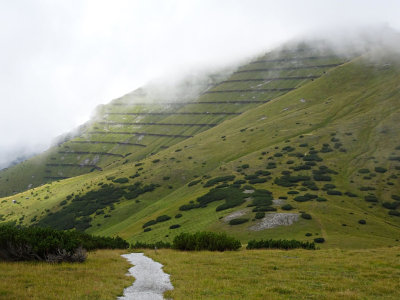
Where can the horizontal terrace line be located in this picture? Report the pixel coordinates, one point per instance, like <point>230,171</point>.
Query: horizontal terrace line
<point>160,124</point>
<point>270,79</point>
<point>74,165</point>
<point>287,68</point>
<point>114,143</point>
<point>190,103</point>
<point>141,133</point>
<point>86,152</point>
<point>293,59</point>
<point>250,90</point>
<point>175,113</point>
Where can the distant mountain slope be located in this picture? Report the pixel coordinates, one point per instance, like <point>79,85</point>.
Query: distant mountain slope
<point>147,121</point>
<point>324,157</point>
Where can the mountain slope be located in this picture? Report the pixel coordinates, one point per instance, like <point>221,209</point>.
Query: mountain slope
<point>334,138</point>
<point>151,119</point>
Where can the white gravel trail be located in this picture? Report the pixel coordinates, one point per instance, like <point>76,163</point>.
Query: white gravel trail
<point>151,281</point>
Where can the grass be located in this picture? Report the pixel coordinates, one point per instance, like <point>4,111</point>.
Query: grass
<point>102,276</point>
<point>357,102</point>
<point>278,274</point>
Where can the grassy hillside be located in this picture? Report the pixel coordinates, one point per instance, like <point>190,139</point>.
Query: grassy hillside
<point>323,156</point>
<point>147,121</point>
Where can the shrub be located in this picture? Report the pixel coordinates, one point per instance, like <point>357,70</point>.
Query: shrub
<point>178,216</point>
<point>395,197</point>
<point>391,205</point>
<point>158,245</point>
<point>394,213</point>
<point>308,234</point>
<point>380,170</point>
<point>321,199</point>
<point>350,194</point>
<point>371,198</point>
<point>292,192</point>
<point>334,192</point>
<point>279,244</point>
<point>121,180</point>
<point>149,223</point>
<point>162,218</point>
<point>46,244</point>
<point>306,216</point>
<point>194,182</point>
<point>147,229</point>
<point>304,198</point>
<point>174,226</point>
<point>238,221</point>
<point>362,222</point>
<point>155,161</point>
<point>239,182</point>
<point>205,241</point>
<point>257,180</point>
<point>319,240</point>
<point>363,171</point>
<point>260,215</point>
<point>216,180</point>
<point>287,207</point>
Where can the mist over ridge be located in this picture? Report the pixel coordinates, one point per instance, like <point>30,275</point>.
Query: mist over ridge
<point>79,66</point>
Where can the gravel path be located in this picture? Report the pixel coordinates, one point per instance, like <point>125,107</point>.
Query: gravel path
<point>151,281</point>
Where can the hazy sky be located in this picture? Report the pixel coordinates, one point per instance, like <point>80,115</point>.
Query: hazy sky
<point>59,59</point>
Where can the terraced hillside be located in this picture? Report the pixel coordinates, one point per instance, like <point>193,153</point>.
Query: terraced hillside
<point>141,124</point>
<point>319,161</point>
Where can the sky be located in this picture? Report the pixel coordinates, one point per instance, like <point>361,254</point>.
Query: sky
<point>59,59</point>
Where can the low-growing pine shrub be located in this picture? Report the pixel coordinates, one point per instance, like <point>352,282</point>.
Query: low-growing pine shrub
<point>205,241</point>
<point>46,244</point>
<point>238,221</point>
<point>319,240</point>
<point>279,244</point>
<point>260,215</point>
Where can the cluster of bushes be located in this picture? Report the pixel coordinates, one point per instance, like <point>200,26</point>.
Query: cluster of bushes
<point>216,180</point>
<point>156,245</point>
<point>159,219</point>
<point>279,244</point>
<point>77,213</point>
<point>233,197</point>
<point>288,180</point>
<point>205,241</point>
<point>239,221</point>
<point>262,201</point>
<point>304,198</point>
<point>46,244</point>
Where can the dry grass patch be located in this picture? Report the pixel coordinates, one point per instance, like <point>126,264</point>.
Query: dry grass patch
<point>102,276</point>
<point>277,274</point>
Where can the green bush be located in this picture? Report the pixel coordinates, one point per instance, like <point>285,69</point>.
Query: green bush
<point>306,216</point>
<point>371,198</point>
<point>194,182</point>
<point>162,218</point>
<point>205,241</point>
<point>46,244</point>
<point>362,222</point>
<point>178,216</point>
<point>156,245</point>
<point>394,213</point>
<point>363,171</point>
<point>319,240</point>
<point>279,244</point>
<point>260,215</point>
<point>149,223</point>
<point>238,221</point>
<point>334,192</point>
<point>121,180</point>
<point>380,170</point>
<point>287,207</point>
<point>216,180</point>
<point>174,226</point>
